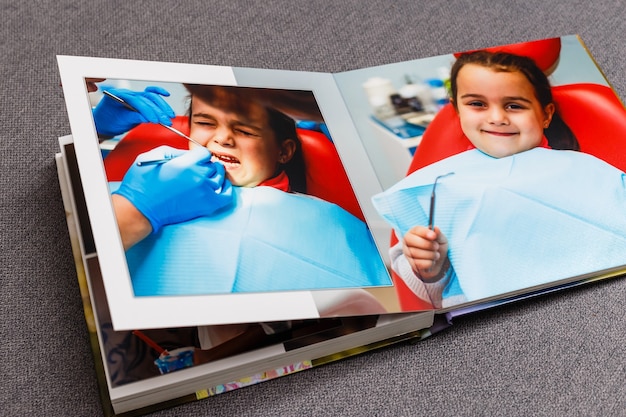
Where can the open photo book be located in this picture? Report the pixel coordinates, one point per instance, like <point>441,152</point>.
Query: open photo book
<point>230,222</point>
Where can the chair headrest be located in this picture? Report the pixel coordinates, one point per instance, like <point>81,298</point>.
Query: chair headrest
<point>544,52</point>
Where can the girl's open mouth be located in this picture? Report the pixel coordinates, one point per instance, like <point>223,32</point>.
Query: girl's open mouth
<point>226,160</point>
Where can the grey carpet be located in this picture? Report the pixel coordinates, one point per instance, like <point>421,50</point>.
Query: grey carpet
<point>562,354</point>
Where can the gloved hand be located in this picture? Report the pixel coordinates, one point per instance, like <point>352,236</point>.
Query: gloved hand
<point>186,186</point>
<point>113,118</point>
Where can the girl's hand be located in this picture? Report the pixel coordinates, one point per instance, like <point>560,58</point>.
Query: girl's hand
<point>427,252</point>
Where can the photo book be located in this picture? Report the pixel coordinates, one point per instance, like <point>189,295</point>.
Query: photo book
<point>232,225</point>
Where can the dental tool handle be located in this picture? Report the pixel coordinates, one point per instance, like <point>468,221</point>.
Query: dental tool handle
<point>431,213</point>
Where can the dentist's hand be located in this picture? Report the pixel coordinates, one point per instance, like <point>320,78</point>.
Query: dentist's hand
<point>187,186</point>
<point>113,118</point>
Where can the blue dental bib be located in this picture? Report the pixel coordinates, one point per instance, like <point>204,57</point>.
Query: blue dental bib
<point>518,222</point>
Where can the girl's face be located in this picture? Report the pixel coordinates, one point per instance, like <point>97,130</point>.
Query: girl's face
<point>240,140</point>
<point>499,111</point>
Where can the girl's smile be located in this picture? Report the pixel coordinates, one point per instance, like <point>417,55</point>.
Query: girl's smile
<point>505,134</point>
<point>499,111</point>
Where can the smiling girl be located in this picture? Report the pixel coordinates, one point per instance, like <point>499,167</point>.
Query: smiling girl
<point>504,103</point>
<point>506,96</point>
<point>506,110</point>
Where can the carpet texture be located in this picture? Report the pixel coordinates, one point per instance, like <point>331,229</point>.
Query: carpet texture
<point>562,354</point>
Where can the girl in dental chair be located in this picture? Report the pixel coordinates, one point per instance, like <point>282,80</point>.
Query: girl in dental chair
<point>521,207</point>
<point>231,217</point>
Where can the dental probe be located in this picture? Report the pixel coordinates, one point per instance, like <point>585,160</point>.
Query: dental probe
<point>129,107</point>
<point>431,214</point>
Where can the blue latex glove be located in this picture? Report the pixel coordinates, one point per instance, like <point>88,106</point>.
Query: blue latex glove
<point>113,118</point>
<point>186,186</point>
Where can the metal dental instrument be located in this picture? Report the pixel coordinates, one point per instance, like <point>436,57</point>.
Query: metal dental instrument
<point>431,214</point>
<point>129,107</point>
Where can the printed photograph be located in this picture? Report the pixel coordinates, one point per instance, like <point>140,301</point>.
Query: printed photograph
<point>514,159</point>
<point>228,189</point>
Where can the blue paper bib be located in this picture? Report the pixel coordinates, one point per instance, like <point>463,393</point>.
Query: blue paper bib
<point>517,222</point>
<point>268,241</point>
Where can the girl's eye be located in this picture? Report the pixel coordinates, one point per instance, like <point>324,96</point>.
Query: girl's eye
<point>476,104</point>
<point>247,133</point>
<point>204,123</point>
<point>515,106</point>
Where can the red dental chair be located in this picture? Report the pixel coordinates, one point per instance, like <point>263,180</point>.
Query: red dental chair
<point>593,112</point>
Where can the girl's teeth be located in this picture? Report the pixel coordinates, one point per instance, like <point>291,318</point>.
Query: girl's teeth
<point>227,159</point>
